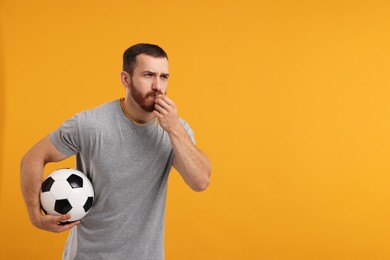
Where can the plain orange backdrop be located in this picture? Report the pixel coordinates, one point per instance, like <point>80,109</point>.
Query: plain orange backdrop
<point>290,100</point>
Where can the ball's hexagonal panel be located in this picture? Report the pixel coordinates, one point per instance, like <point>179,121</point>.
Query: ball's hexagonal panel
<point>77,213</point>
<point>46,185</point>
<point>62,206</point>
<point>77,197</point>
<point>60,189</point>
<point>61,174</point>
<point>88,188</point>
<point>47,201</point>
<point>75,181</point>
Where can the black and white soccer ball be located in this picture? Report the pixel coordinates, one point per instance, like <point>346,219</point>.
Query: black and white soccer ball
<point>67,191</point>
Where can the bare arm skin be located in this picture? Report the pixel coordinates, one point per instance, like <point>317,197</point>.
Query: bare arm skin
<point>189,161</point>
<point>31,174</point>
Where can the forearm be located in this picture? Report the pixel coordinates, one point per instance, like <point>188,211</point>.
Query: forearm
<point>31,172</point>
<point>191,163</point>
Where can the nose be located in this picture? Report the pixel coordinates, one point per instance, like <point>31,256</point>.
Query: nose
<point>157,84</point>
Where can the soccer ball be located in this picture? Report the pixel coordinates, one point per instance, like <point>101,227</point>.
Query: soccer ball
<point>67,191</point>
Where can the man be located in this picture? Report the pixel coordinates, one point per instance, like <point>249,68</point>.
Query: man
<point>126,147</point>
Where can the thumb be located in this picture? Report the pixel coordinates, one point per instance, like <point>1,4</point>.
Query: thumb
<point>63,217</point>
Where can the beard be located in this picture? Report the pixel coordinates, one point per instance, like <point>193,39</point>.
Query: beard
<point>142,99</point>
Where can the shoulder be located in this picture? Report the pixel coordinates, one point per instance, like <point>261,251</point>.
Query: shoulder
<point>97,117</point>
<point>102,110</point>
<point>98,113</point>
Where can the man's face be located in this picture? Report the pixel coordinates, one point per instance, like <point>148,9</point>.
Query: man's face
<point>149,78</point>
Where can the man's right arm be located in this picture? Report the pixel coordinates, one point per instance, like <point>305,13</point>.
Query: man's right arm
<point>31,174</point>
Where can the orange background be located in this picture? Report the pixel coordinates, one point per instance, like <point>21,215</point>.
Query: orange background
<point>290,100</point>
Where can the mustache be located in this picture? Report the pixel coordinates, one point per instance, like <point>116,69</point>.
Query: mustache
<point>154,93</point>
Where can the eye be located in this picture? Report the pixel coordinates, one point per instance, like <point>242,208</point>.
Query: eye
<point>165,77</point>
<point>148,75</point>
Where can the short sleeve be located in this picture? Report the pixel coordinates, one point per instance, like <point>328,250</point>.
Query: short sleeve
<point>66,137</point>
<point>190,132</point>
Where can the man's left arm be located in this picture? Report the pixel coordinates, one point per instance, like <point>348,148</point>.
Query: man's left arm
<point>189,161</point>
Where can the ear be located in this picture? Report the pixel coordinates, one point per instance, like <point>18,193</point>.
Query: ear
<point>125,78</point>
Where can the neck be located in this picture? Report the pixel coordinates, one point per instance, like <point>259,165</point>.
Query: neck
<point>134,112</point>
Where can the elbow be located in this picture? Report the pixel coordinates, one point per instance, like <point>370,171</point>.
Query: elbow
<point>24,161</point>
<point>202,184</point>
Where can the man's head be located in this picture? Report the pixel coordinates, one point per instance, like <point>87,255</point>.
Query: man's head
<point>145,74</point>
<point>130,55</point>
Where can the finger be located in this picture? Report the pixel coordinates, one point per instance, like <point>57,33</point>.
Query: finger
<point>60,220</point>
<point>63,218</point>
<point>156,113</point>
<point>54,220</point>
<point>159,109</point>
<point>166,99</point>
<point>64,227</point>
<point>162,103</point>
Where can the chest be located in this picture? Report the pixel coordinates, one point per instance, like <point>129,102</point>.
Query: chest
<point>121,154</point>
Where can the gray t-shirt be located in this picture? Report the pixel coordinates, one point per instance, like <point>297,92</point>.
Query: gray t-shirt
<point>128,165</point>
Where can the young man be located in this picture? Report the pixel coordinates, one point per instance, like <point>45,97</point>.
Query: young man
<point>126,147</point>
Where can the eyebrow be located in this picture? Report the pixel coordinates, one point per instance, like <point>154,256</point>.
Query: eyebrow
<point>154,73</point>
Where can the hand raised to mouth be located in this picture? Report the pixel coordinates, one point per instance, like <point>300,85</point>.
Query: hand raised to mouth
<point>166,113</point>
